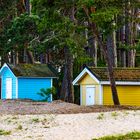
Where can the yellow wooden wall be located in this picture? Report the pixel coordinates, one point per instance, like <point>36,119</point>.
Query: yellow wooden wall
<point>128,95</point>
<point>87,80</point>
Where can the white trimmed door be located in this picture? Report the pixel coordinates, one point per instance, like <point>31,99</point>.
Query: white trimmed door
<point>8,88</point>
<point>90,95</point>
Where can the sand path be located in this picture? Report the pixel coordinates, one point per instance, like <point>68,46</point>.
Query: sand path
<point>69,126</point>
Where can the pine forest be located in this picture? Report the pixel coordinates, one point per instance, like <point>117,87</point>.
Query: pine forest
<point>69,35</point>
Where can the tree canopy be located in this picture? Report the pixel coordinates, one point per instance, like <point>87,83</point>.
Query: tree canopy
<point>71,34</point>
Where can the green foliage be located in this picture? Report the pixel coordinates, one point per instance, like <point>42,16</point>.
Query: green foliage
<point>105,13</point>
<point>18,33</point>
<point>46,93</point>
<point>23,29</point>
<point>35,120</point>
<point>104,19</point>
<point>100,116</point>
<point>130,136</point>
<point>114,114</point>
<point>101,63</point>
<point>57,29</point>
<point>19,127</point>
<point>3,132</point>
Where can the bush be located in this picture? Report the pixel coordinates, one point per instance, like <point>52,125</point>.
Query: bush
<point>46,93</point>
<point>129,136</point>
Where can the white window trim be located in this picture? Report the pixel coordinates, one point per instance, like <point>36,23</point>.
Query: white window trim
<point>81,96</point>
<point>120,83</point>
<point>90,86</point>
<point>1,88</point>
<point>100,95</point>
<point>16,87</point>
<point>51,87</point>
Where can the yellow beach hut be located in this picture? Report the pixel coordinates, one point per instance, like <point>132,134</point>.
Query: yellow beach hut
<point>95,86</point>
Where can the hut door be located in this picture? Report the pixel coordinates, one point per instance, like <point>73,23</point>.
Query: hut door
<point>8,88</point>
<point>90,95</point>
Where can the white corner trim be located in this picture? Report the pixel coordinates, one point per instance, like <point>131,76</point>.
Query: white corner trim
<point>120,83</point>
<point>100,95</point>
<point>51,87</point>
<point>1,88</point>
<point>81,99</point>
<point>51,82</point>
<point>85,70</point>
<point>16,87</point>
<point>90,86</point>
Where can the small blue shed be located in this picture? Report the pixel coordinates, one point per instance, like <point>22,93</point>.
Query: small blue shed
<point>24,81</point>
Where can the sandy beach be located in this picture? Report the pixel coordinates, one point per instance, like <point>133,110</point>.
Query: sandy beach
<point>69,126</point>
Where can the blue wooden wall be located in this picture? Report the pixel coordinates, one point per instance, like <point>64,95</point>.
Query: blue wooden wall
<point>7,73</point>
<point>23,88</point>
<point>29,87</point>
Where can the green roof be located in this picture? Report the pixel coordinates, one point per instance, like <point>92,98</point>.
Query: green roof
<point>33,70</point>
<point>121,74</point>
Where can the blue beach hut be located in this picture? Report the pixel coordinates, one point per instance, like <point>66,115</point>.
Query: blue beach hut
<point>24,81</point>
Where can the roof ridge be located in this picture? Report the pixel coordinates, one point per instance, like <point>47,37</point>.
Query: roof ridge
<point>123,68</point>
<point>32,70</point>
<point>120,73</point>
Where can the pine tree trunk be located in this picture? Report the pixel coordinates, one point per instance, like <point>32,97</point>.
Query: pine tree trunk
<point>110,50</point>
<point>30,57</point>
<point>129,35</point>
<point>114,48</point>
<point>64,86</point>
<point>123,51</point>
<point>67,91</point>
<point>109,66</point>
<point>123,58</point>
<point>27,6</point>
<point>25,56</point>
<point>96,33</point>
<point>95,52</point>
<point>111,78</point>
<point>17,58</point>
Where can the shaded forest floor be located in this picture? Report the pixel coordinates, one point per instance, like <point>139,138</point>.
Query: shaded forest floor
<point>25,107</point>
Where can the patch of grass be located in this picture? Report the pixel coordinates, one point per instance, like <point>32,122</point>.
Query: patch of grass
<point>29,136</point>
<point>15,122</point>
<point>129,136</point>
<point>35,120</point>
<point>14,118</point>
<point>46,126</point>
<point>9,121</point>
<point>126,113</point>
<point>19,127</point>
<point>3,132</point>
<point>114,114</point>
<point>44,121</point>
<point>26,129</point>
<point>100,116</point>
